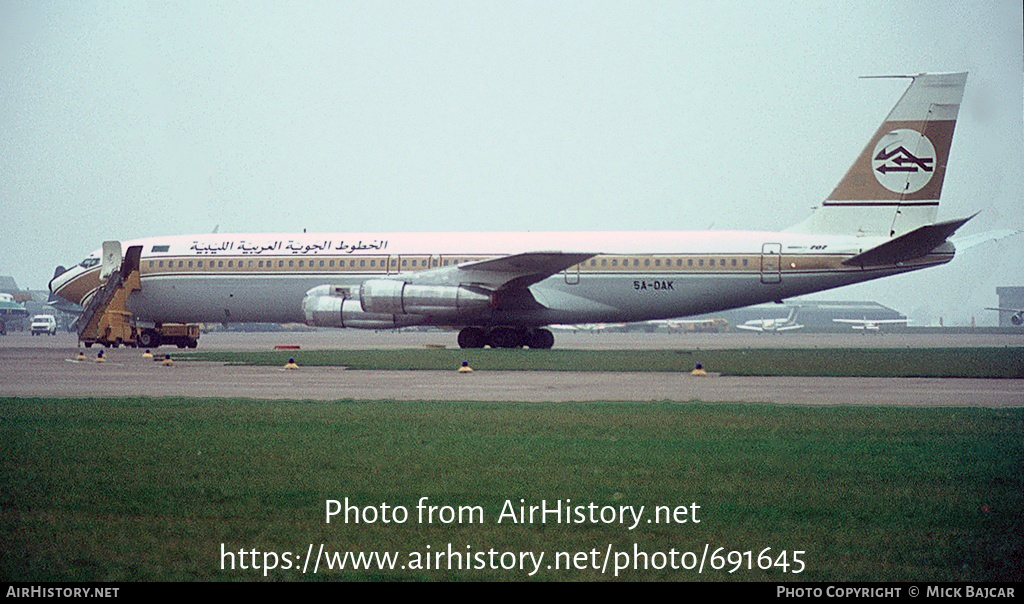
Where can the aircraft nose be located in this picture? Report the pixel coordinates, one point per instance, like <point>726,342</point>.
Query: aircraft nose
<point>61,277</point>
<point>57,272</point>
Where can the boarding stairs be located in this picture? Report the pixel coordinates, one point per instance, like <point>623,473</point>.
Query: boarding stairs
<point>106,319</point>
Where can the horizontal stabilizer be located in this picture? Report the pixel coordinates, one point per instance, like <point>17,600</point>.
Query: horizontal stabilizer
<point>968,241</point>
<point>908,246</point>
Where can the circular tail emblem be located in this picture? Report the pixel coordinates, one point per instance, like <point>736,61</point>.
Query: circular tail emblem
<point>904,161</point>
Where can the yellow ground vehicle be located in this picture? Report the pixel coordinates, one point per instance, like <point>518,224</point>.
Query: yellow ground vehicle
<point>183,335</point>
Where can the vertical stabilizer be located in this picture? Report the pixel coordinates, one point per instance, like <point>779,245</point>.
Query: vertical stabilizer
<point>894,185</point>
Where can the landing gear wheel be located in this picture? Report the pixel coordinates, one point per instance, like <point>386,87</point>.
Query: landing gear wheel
<point>505,337</point>
<point>541,339</point>
<point>471,337</point>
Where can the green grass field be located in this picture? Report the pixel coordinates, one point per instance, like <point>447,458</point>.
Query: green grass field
<point>148,489</point>
<point>853,362</point>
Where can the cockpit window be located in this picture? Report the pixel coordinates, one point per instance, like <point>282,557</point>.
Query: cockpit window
<point>89,262</point>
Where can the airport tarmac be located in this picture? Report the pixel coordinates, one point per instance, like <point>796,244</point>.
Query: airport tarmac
<point>326,339</point>
<point>44,367</point>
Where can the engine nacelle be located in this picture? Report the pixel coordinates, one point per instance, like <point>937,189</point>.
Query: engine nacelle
<point>1017,318</point>
<point>386,296</point>
<point>328,306</point>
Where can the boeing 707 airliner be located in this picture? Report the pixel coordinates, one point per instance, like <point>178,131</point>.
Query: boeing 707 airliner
<point>502,289</point>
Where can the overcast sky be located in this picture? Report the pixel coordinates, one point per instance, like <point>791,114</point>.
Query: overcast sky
<point>121,120</point>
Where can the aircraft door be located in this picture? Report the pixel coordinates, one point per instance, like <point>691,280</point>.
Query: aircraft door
<point>771,263</point>
<point>111,260</point>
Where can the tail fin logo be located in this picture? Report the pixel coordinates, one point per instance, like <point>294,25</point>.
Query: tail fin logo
<point>904,161</point>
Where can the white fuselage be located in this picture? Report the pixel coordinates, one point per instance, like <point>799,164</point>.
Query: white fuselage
<point>633,276</point>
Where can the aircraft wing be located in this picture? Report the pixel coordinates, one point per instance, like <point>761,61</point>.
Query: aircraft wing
<point>518,270</point>
<point>502,273</point>
<point>790,328</point>
<point>749,327</point>
<point>870,321</point>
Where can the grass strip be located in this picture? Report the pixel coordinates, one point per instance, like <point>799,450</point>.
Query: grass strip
<point>842,362</point>
<point>148,489</point>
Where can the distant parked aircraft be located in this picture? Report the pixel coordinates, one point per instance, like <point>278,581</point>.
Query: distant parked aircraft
<point>1017,318</point>
<point>785,324</point>
<point>871,324</point>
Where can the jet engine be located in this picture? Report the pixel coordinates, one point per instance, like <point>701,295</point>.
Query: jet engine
<point>385,296</point>
<point>330,306</point>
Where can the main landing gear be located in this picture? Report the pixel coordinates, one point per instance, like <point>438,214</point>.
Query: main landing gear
<point>505,337</point>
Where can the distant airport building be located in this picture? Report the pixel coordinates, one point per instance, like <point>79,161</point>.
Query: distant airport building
<point>30,303</point>
<point>1012,298</point>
